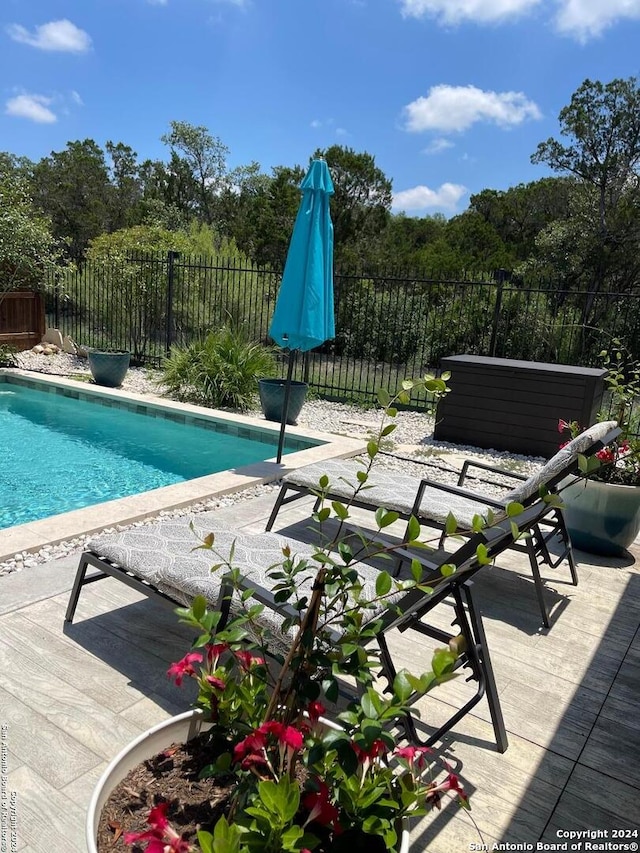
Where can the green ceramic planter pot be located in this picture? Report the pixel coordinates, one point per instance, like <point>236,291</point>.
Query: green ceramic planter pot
<point>602,518</point>
<point>272,399</point>
<point>108,368</point>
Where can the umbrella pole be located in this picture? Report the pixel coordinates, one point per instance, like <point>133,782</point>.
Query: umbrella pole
<point>285,407</point>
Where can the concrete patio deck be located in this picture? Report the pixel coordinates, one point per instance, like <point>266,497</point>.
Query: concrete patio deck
<point>71,698</point>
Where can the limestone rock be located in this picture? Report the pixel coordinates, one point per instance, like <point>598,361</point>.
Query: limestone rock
<point>69,345</point>
<point>52,336</point>
<point>38,348</point>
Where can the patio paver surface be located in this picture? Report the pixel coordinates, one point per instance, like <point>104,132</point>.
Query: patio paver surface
<point>71,698</point>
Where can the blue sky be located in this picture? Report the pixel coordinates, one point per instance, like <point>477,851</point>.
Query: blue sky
<point>450,96</point>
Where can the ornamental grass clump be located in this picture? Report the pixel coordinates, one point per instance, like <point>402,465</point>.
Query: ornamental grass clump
<point>296,782</point>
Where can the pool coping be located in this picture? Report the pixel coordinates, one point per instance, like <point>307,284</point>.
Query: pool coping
<point>35,535</point>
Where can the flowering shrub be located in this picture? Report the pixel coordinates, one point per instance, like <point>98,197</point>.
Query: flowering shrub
<point>619,462</point>
<point>300,783</point>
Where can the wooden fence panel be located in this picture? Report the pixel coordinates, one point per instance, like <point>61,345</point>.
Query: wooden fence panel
<point>22,321</point>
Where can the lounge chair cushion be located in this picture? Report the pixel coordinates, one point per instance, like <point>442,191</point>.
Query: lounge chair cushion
<point>563,459</point>
<point>162,553</point>
<point>388,488</point>
<point>397,491</point>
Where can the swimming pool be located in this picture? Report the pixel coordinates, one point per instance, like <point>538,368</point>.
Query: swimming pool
<point>63,448</point>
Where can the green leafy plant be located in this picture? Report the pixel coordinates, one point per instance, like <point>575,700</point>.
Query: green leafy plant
<point>221,371</point>
<point>618,462</point>
<point>298,783</point>
<point>8,356</point>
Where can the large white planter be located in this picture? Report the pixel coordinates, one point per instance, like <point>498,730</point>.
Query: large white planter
<point>602,518</point>
<point>174,730</point>
<point>177,729</point>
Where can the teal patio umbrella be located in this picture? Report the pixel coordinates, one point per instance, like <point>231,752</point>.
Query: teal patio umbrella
<point>303,317</point>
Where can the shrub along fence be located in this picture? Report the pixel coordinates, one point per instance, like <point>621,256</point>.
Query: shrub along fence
<point>388,324</point>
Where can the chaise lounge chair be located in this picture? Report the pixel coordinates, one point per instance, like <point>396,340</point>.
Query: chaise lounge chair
<point>432,502</point>
<point>159,561</point>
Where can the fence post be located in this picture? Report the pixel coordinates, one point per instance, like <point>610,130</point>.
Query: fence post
<point>171,257</point>
<point>500,276</point>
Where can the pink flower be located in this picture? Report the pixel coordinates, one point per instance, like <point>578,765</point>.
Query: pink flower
<point>606,455</point>
<point>247,660</point>
<point>292,738</point>
<point>271,727</point>
<point>162,837</point>
<point>218,683</point>
<point>377,748</point>
<point>214,651</point>
<point>184,667</point>
<point>451,783</point>
<point>413,755</point>
<point>254,742</point>
<point>321,809</point>
<point>562,425</point>
<point>254,760</point>
<point>315,710</point>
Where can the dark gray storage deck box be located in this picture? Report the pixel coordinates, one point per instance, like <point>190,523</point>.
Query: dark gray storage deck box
<point>515,405</point>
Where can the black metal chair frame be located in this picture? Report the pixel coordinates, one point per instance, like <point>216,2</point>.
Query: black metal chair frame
<point>549,526</point>
<point>407,614</point>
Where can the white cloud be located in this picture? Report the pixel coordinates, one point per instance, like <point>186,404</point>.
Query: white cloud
<point>75,97</point>
<point>56,35</point>
<point>455,11</point>
<point>341,131</point>
<point>318,122</point>
<point>33,107</point>
<point>581,19</point>
<point>455,108</point>
<point>419,198</point>
<point>585,19</point>
<point>437,145</point>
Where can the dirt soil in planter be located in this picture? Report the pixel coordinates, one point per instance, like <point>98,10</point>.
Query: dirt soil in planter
<point>172,776</point>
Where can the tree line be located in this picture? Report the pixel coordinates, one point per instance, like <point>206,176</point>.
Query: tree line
<point>580,228</point>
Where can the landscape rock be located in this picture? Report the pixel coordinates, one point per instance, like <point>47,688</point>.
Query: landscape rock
<point>69,345</point>
<point>53,336</point>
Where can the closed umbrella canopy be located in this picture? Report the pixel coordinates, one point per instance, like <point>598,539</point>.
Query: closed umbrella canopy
<point>303,317</point>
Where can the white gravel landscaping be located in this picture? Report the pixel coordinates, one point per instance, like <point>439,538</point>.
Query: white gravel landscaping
<point>412,440</point>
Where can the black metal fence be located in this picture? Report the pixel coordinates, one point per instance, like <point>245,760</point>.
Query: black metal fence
<point>388,326</point>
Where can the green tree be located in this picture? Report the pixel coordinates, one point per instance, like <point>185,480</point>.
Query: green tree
<point>602,125</point>
<point>126,188</point>
<point>519,213</point>
<point>407,242</point>
<point>596,248</point>
<point>168,194</point>
<point>361,203</point>
<point>206,157</point>
<point>28,251</point>
<point>72,187</point>
<point>477,244</point>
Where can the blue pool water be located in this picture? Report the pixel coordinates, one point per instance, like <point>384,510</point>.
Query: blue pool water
<point>59,453</point>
